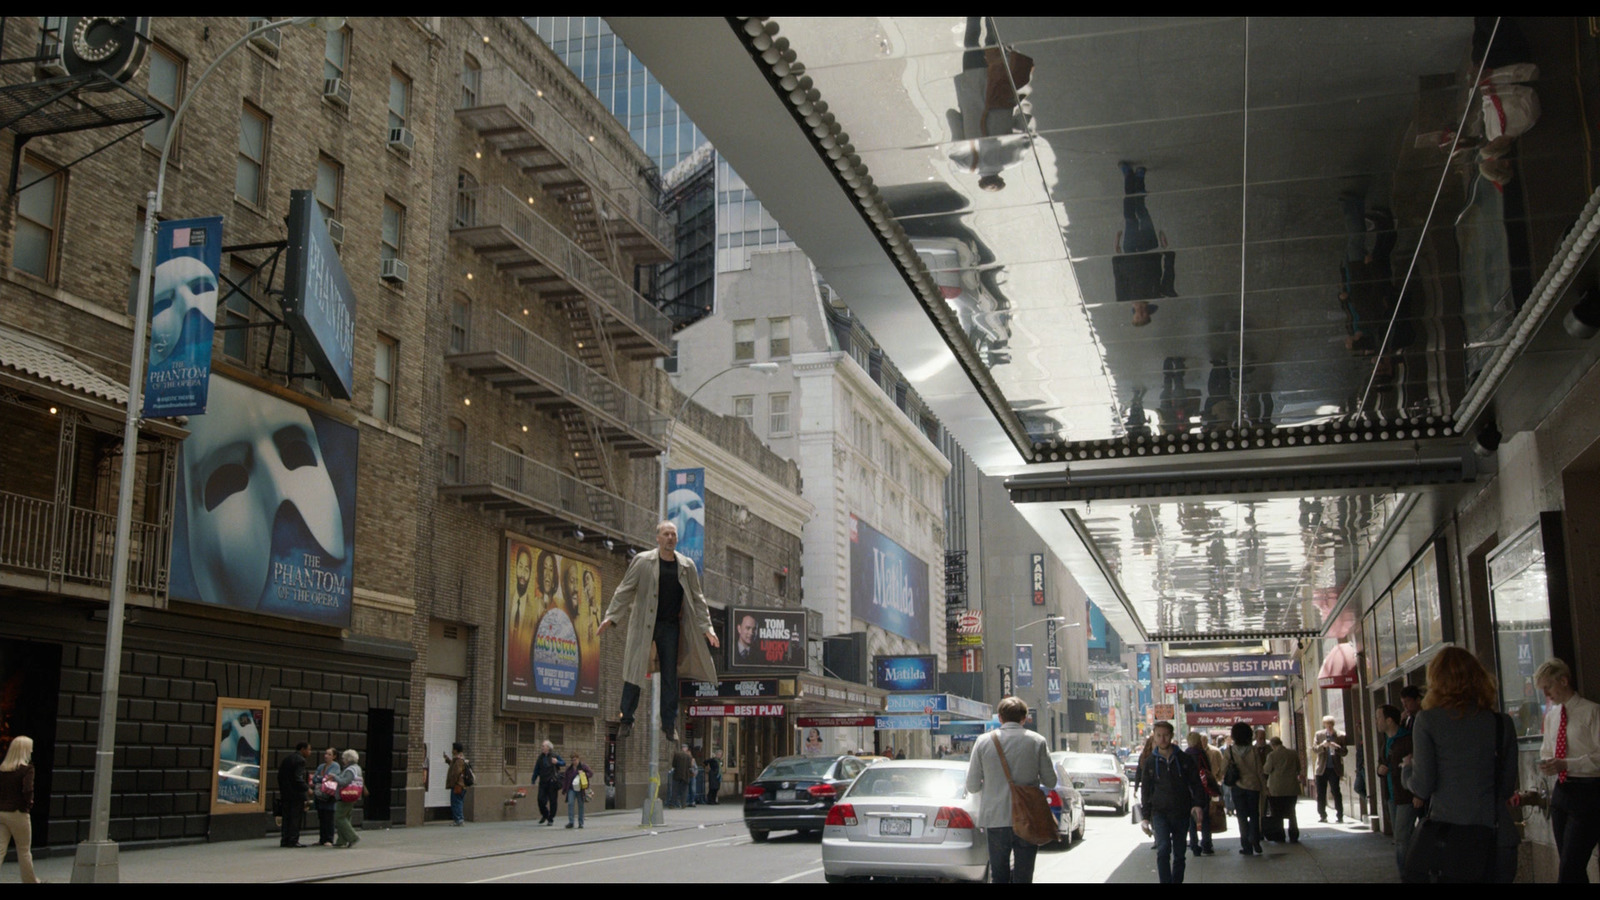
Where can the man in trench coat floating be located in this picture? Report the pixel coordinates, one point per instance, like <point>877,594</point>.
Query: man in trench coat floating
<point>663,588</point>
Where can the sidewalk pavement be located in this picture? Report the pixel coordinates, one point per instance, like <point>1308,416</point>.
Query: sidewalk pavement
<point>380,849</point>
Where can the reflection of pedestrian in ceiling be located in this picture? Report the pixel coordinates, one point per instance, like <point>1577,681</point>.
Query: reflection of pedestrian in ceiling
<point>1366,277</point>
<point>988,129</point>
<point>1177,400</point>
<point>1143,266</point>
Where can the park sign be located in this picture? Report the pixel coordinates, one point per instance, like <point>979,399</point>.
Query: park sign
<point>318,303</point>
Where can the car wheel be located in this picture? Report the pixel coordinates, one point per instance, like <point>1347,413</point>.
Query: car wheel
<point>809,832</point>
<point>759,837</point>
<point>837,879</point>
<point>1078,835</point>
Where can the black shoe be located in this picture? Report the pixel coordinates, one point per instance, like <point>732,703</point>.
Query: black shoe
<point>1323,819</point>
<point>569,824</point>
<point>1208,852</point>
<point>1247,851</point>
<point>670,733</point>
<point>1259,851</point>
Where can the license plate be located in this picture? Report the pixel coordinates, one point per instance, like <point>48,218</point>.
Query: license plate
<point>802,795</point>
<point>894,826</point>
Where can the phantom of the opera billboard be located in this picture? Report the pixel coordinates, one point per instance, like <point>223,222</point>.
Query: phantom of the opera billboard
<point>552,616</point>
<point>265,517</point>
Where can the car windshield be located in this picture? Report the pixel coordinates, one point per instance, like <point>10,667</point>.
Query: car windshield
<point>1090,764</point>
<point>796,768</point>
<point>904,781</point>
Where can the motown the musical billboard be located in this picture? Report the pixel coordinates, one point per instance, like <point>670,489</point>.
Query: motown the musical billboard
<point>551,651</point>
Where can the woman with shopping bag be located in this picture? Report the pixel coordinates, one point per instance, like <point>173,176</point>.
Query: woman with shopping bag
<point>576,782</point>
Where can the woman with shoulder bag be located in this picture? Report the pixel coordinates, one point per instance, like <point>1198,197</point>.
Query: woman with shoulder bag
<point>1243,776</point>
<point>576,783</point>
<point>351,789</point>
<point>325,795</point>
<point>1463,766</point>
<point>16,804</point>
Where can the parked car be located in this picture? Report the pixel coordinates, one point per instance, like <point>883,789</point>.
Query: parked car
<point>1066,803</point>
<point>796,792</point>
<point>1104,782</point>
<point>907,818</point>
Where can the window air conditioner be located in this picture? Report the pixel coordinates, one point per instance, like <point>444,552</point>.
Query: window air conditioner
<point>52,65</point>
<point>395,271</point>
<point>403,140</point>
<point>336,232</point>
<point>335,91</point>
<point>269,42</point>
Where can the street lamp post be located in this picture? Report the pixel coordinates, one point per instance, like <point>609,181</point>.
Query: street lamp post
<point>96,858</point>
<point>650,813</point>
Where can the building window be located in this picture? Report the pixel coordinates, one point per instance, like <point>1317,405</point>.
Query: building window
<point>383,370</point>
<point>330,186</point>
<point>399,100</point>
<point>336,54</point>
<point>744,340</point>
<point>741,568</point>
<point>471,81</point>
<point>250,177</point>
<point>460,323</point>
<point>744,408</point>
<point>669,364</point>
<point>394,230</point>
<point>36,245</point>
<point>778,337</point>
<point>166,91</point>
<point>778,413</point>
<point>455,451</point>
<point>466,200</point>
<point>235,310</point>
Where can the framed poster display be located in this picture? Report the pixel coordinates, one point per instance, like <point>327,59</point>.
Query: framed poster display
<point>238,780</point>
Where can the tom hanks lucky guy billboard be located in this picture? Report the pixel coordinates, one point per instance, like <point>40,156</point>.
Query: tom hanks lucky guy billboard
<point>888,586</point>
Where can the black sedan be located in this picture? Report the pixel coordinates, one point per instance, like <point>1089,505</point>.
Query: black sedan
<point>796,792</point>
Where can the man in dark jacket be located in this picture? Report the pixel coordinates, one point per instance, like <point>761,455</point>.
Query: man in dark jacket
<point>1170,797</point>
<point>292,786</point>
<point>682,772</point>
<point>547,778</point>
<point>1396,747</point>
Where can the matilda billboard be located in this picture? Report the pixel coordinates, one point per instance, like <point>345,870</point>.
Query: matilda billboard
<point>888,586</point>
<point>552,614</point>
<point>266,505</point>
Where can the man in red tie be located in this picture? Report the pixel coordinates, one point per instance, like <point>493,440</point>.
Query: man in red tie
<point>1571,752</point>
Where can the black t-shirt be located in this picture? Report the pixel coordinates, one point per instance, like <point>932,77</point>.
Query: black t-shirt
<point>669,593</point>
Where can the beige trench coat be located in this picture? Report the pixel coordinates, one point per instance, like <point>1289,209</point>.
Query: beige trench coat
<point>637,593</point>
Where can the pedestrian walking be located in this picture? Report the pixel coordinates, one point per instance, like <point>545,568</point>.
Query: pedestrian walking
<point>455,780</point>
<point>292,785</point>
<point>1464,767</point>
<point>1027,755</point>
<point>325,795</point>
<point>576,778</point>
<point>1200,832</point>
<point>1171,799</point>
<point>16,805</point>
<point>682,771</point>
<point>1570,751</point>
<point>1284,776</point>
<point>1244,762</point>
<point>352,787</point>
<point>1403,807</point>
<point>1330,749</point>
<point>547,771</point>
<point>714,780</point>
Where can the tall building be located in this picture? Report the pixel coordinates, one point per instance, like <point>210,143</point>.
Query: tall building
<point>422,563</point>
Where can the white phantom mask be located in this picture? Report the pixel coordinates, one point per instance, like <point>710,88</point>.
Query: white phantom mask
<point>253,473</point>
<point>183,286</point>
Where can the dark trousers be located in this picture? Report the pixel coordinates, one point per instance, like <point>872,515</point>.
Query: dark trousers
<point>325,833</point>
<point>1169,830</point>
<point>1329,784</point>
<point>294,815</point>
<point>1575,820</point>
<point>1247,809</point>
<point>549,791</point>
<point>1010,857</point>
<point>665,635</point>
<point>1281,808</point>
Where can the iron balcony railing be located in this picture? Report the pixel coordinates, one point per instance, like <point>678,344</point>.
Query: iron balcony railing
<point>563,374</point>
<point>621,192</point>
<point>75,544</point>
<point>497,208</point>
<point>537,491</point>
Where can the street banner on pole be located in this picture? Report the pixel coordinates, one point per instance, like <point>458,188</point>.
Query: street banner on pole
<point>1024,665</point>
<point>183,316</point>
<point>1052,684</point>
<point>686,508</point>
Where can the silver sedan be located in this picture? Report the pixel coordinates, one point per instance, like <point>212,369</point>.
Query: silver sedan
<point>911,818</point>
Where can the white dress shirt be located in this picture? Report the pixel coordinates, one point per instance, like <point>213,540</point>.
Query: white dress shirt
<point>1583,736</point>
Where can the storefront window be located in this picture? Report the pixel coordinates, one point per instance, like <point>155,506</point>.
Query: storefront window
<point>1384,616</point>
<point>1368,649</point>
<point>1405,619</point>
<point>1522,627</point>
<point>1430,610</point>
